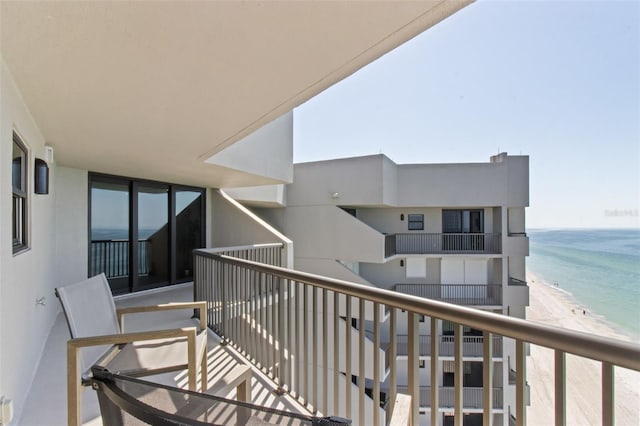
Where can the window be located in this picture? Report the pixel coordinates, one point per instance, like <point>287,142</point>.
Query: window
<point>19,186</point>
<point>416,222</point>
<point>143,233</point>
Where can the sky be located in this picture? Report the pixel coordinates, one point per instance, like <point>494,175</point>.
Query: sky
<point>557,81</point>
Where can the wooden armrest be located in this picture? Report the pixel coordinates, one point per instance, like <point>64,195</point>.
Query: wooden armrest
<point>118,339</point>
<point>201,305</point>
<point>239,377</point>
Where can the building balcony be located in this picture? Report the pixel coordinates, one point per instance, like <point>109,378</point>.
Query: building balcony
<point>459,294</point>
<point>446,397</point>
<point>449,243</point>
<point>517,244</point>
<point>297,337</point>
<point>472,346</point>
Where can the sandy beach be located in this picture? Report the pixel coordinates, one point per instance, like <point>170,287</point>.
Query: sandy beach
<point>551,305</point>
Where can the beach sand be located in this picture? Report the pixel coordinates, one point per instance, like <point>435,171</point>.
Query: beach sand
<point>550,305</point>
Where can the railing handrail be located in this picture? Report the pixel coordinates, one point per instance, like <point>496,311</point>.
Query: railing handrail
<point>208,252</point>
<point>617,352</point>
<point>445,233</point>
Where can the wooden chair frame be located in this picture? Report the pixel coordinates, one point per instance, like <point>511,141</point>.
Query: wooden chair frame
<point>74,375</point>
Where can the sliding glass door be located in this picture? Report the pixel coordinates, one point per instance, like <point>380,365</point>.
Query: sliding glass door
<point>142,233</point>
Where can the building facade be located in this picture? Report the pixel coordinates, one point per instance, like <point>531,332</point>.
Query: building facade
<point>448,232</point>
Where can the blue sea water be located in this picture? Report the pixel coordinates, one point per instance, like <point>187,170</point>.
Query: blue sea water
<point>599,268</point>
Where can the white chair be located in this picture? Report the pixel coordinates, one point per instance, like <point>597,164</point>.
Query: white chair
<point>97,338</point>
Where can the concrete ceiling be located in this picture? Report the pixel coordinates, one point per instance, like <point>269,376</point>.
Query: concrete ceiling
<point>152,89</point>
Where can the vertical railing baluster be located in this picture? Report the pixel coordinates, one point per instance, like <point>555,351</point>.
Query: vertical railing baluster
<point>560,388</point>
<point>314,349</point>
<point>487,379</point>
<point>361,361</point>
<point>413,368</point>
<point>347,364</point>
<point>282,334</point>
<point>273,327</point>
<point>393,351</point>
<point>325,355</point>
<point>608,385</point>
<point>520,382</point>
<point>305,343</point>
<point>298,338</point>
<point>336,353</point>
<point>458,375</point>
<point>376,364</point>
<point>435,403</point>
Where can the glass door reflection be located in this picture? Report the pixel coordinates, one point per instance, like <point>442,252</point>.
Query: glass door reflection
<point>153,236</point>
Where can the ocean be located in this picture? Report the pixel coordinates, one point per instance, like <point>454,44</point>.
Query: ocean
<point>600,269</point>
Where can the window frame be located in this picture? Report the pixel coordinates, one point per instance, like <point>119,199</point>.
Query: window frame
<point>415,222</point>
<point>20,200</point>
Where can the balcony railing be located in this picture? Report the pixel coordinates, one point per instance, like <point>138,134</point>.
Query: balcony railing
<point>296,328</point>
<point>446,397</point>
<point>112,258</point>
<point>472,346</point>
<point>516,282</point>
<point>460,294</point>
<point>449,243</point>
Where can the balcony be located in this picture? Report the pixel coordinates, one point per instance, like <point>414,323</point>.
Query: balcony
<point>293,339</point>
<point>298,337</point>
<point>459,294</point>
<point>450,243</point>
<point>472,346</point>
<point>446,397</point>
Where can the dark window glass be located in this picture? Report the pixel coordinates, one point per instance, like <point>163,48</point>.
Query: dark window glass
<point>189,205</point>
<point>109,248</point>
<point>19,186</point>
<point>143,233</point>
<point>153,235</point>
<point>416,222</point>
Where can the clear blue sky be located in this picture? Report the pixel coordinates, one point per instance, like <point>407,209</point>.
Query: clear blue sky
<point>558,81</point>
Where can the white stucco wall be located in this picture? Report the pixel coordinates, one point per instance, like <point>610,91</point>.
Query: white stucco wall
<point>266,152</point>
<point>30,275</point>
<point>72,198</point>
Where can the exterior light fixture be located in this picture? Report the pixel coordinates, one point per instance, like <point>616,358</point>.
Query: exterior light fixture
<point>335,195</point>
<point>41,178</point>
<point>401,263</point>
<point>401,216</point>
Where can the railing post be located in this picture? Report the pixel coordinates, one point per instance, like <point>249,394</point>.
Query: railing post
<point>435,400</point>
<point>487,379</point>
<point>521,363</point>
<point>393,391</point>
<point>560,388</point>
<point>458,375</point>
<point>414,372</point>
<point>608,412</point>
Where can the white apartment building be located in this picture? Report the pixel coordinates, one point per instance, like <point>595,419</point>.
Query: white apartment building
<point>121,121</point>
<point>447,232</point>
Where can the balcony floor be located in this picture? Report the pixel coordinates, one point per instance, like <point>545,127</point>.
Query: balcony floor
<point>46,402</point>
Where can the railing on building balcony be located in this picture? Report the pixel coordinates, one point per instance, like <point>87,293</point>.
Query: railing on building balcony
<point>516,282</point>
<point>448,243</point>
<point>446,397</point>
<point>472,346</point>
<point>460,294</point>
<point>112,258</point>
<point>296,328</point>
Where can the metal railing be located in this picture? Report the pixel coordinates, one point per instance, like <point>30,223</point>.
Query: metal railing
<point>446,397</point>
<point>112,257</point>
<point>516,282</point>
<point>472,346</point>
<point>460,294</point>
<point>296,328</point>
<point>446,243</point>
